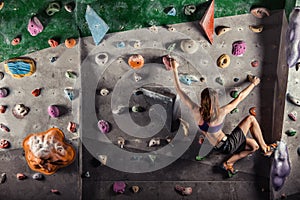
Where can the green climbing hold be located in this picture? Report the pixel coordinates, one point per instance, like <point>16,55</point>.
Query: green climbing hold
<point>199,158</point>
<point>234,94</point>
<point>235,110</point>
<point>291,132</point>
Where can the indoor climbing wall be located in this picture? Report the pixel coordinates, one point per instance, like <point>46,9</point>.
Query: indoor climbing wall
<point>125,129</point>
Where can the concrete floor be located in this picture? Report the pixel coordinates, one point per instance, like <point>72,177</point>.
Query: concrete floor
<point>175,163</point>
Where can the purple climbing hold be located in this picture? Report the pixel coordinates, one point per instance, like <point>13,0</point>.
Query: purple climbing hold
<point>281,166</point>
<point>53,111</point>
<point>3,92</point>
<point>119,187</point>
<point>238,48</point>
<point>103,126</point>
<point>34,26</point>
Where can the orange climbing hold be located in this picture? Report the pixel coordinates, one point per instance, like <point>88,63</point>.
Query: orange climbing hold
<point>252,111</point>
<point>70,42</point>
<point>207,22</point>
<point>16,41</point>
<point>136,61</point>
<point>53,43</point>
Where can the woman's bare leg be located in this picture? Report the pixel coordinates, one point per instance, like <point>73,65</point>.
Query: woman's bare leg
<point>250,123</point>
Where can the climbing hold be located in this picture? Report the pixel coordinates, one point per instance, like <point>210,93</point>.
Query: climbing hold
<point>188,79</point>
<point>103,159</point>
<point>4,128</point>
<point>121,142</point>
<point>48,147</point>
<point>256,28</point>
<point>119,187</point>
<point>96,24</point>
<point>71,74</point>
<point>136,61</point>
<point>137,44</point>
<point>222,29</point>
<point>21,176</point>
<point>238,48</point>
<point>4,144</point>
<point>170,11</point>
<point>154,142</point>
<point>16,41</point>
<point>3,92</point>
<point>223,61</point>
<point>53,111</point>
<point>52,8</point>
<point>235,110</point>
<point>34,26</point>
<point>293,40</point>
<point>189,9</point>
<point>220,80</point>
<point>207,22</point>
<point>1,4</point>
<point>293,99</point>
<point>72,127</point>
<point>293,115</point>
<point>236,79</point>
<point>152,158</point>
<point>252,111</point>
<point>70,42</point>
<point>53,59</point>
<point>53,43</point>
<point>199,158</point>
<point>281,166</point>
<point>19,67</point>
<point>135,189</point>
<point>234,93</point>
<point>2,178</point>
<point>20,111</point>
<point>260,12</point>
<point>137,77</point>
<point>153,29</point>
<point>70,93</point>
<point>137,109</point>
<point>1,75</point>
<point>202,80</point>
<point>298,151</point>
<point>2,108</point>
<point>189,46</point>
<point>291,132</point>
<point>184,190</point>
<point>255,63</point>
<point>185,126</point>
<point>69,7</point>
<point>86,174</point>
<point>104,92</point>
<point>36,92</point>
<point>103,126</point>
<point>120,45</point>
<point>101,58</point>
<point>37,176</point>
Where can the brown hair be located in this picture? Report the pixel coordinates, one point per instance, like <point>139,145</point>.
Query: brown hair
<point>209,104</point>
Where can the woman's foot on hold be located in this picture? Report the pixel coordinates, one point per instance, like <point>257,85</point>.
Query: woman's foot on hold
<point>270,149</point>
<point>229,169</point>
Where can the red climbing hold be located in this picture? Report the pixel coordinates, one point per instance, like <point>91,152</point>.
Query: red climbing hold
<point>36,92</point>
<point>252,111</point>
<point>207,22</point>
<point>53,43</point>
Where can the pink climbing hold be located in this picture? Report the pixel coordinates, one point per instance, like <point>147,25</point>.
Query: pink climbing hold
<point>3,92</point>
<point>103,126</point>
<point>53,111</point>
<point>238,48</point>
<point>119,187</point>
<point>34,26</point>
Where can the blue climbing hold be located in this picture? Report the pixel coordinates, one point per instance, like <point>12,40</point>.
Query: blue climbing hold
<point>19,67</point>
<point>96,24</point>
<point>188,79</point>
<point>70,93</point>
<point>172,12</point>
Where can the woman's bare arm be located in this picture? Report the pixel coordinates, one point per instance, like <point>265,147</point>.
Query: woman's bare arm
<point>243,94</point>
<point>183,96</point>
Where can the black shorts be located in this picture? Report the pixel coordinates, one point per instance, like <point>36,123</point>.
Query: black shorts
<point>235,143</point>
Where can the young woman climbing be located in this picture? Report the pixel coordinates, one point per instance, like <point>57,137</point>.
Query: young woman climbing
<point>209,116</point>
